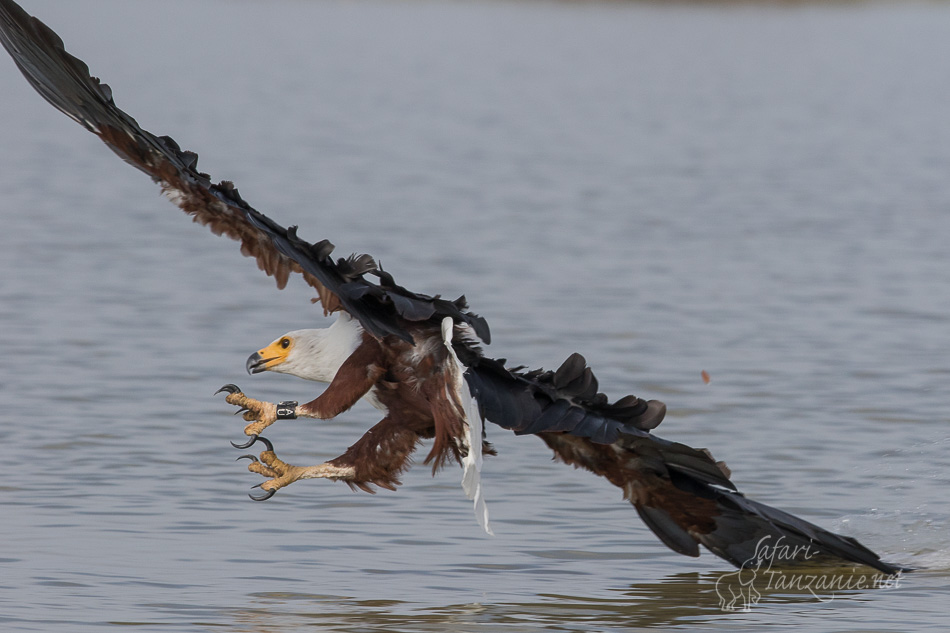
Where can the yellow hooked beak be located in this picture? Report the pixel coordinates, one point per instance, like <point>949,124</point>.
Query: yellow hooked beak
<point>271,356</point>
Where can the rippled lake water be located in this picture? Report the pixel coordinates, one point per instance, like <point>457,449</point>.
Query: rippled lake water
<point>758,192</point>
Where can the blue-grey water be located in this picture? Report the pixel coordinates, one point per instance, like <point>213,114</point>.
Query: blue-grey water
<point>758,192</point>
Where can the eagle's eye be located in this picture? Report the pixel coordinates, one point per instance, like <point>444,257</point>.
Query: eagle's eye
<point>285,343</point>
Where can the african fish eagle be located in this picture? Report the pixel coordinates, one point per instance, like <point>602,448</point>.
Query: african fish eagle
<point>418,359</point>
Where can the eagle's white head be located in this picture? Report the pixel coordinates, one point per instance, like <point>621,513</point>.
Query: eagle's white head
<point>313,354</point>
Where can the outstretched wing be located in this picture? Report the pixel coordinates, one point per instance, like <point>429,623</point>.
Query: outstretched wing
<point>382,308</point>
<point>683,495</point>
<point>670,487</point>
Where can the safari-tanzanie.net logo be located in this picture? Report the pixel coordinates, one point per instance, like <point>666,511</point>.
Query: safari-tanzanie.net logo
<point>771,569</point>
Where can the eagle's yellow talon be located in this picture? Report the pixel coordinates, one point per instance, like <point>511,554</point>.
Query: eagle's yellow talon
<point>255,428</point>
<point>262,470</point>
<point>260,414</point>
<point>279,472</point>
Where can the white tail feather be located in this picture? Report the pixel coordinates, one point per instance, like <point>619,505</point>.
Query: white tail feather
<point>472,462</point>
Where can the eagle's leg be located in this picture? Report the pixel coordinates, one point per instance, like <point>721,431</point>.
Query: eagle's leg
<point>377,458</point>
<point>283,474</point>
<point>260,414</point>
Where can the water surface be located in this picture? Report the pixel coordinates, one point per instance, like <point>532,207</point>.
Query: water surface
<point>757,192</point>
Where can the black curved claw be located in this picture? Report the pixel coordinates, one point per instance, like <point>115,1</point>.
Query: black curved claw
<point>250,457</point>
<point>248,444</point>
<point>266,442</point>
<point>255,438</point>
<point>230,388</point>
<point>264,497</point>
<point>241,410</point>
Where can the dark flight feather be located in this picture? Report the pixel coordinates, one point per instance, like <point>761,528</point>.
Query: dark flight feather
<point>682,494</point>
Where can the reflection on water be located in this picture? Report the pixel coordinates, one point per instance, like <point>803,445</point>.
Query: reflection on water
<point>755,192</point>
<point>676,599</point>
